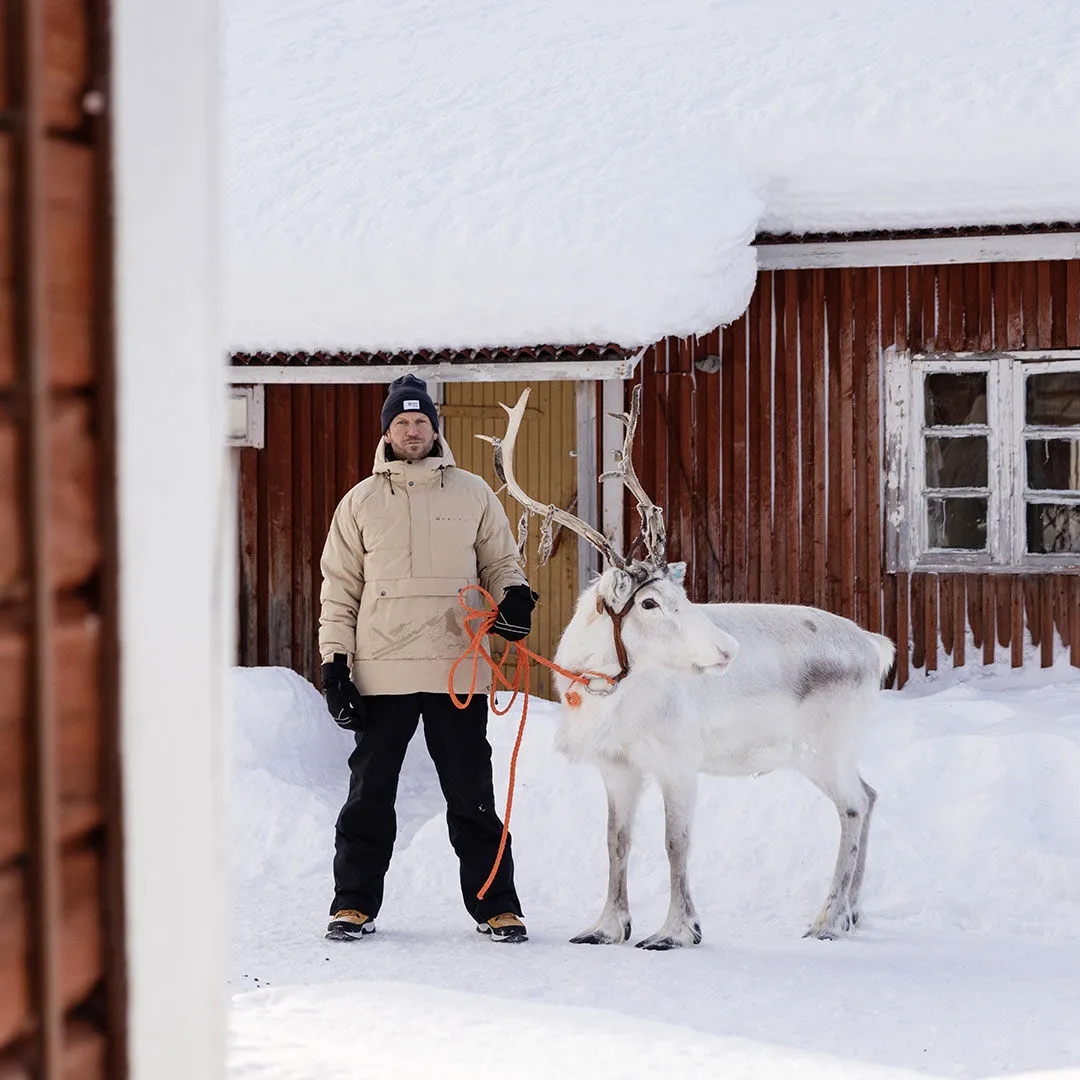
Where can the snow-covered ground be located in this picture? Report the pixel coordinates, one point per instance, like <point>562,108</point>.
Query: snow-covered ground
<point>968,964</point>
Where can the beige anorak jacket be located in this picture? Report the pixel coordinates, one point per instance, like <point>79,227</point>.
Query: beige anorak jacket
<point>401,545</point>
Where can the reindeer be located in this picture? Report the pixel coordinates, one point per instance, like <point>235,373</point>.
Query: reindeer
<point>727,689</point>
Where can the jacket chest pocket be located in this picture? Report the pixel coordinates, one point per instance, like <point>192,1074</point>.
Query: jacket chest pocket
<point>453,544</point>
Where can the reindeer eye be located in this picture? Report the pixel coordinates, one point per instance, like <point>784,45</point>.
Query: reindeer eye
<point>648,604</point>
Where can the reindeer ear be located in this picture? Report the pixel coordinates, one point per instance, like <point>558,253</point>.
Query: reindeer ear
<point>620,587</point>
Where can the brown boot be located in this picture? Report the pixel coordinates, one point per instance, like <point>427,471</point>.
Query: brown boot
<point>348,925</point>
<point>505,927</point>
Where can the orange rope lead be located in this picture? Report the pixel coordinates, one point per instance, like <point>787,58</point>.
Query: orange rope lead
<point>478,622</point>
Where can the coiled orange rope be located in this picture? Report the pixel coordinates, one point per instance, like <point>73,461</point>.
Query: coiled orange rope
<point>478,622</point>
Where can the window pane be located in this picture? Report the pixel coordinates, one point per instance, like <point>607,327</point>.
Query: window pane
<point>957,523</point>
<point>1053,528</point>
<point>955,399</point>
<point>959,462</point>
<point>1053,398</point>
<point>1053,463</point>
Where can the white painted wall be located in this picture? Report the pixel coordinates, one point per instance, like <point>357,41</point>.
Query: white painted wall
<point>175,543</point>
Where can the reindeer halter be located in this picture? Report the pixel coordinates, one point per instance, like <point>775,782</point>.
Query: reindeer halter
<point>603,607</point>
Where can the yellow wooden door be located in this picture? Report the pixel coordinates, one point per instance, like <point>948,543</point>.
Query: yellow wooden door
<point>545,469</point>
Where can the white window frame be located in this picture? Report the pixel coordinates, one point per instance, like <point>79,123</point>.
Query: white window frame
<point>906,530</point>
<point>246,416</point>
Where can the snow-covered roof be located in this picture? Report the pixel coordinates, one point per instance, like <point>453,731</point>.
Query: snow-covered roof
<point>411,173</point>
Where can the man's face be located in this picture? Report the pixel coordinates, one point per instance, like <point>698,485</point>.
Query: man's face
<point>411,436</point>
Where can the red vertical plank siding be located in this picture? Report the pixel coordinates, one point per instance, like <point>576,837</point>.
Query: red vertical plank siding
<point>819,437</point>
<point>959,649</point>
<point>834,427</point>
<point>1031,614</point>
<point>1046,588</point>
<point>957,327</point>
<point>279,520</point>
<point>989,617</point>
<point>739,456</point>
<point>1072,306</point>
<point>763,540</point>
<point>1074,619</point>
<point>684,387</point>
<point>808,365</point>
<point>323,497</point>
<point>1059,288</point>
<point>1016,620</point>
<point>1029,304</point>
<point>791,433</point>
<point>985,308</point>
<point>262,553</point>
<point>1014,308</point>
<point>1061,609</point>
<point>917,608</point>
<point>930,621</point>
<point>711,426</point>
<point>754,509</point>
<point>900,329</point>
<point>887,287</point>
<point>248,540</point>
<point>846,456</point>
<point>974,593</point>
<point>969,276</point>
<point>728,378</point>
<point>1043,300</point>
<point>945,620</point>
<point>999,277</point>
<point>903,637</point>
<point>915,276</point>
<point>871,524</point>
<point>889,613</point>
<point>303,606</point>
<point>781,520</point>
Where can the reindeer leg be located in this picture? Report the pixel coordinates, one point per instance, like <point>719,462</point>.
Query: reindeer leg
<point>681,926</point>
<point>860,864</point>
<point>623,785</point>
<point>853,804</point>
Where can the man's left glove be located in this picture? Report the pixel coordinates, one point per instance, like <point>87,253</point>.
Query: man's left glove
<point>514,620</point>
<point>344,701</point>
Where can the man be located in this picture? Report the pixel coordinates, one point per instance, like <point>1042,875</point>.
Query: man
<point>402,544</point>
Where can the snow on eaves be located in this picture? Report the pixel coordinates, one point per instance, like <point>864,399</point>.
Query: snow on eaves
<point>404,174</point>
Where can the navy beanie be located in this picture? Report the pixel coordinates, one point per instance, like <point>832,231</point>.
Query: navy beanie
<point>408,394</point>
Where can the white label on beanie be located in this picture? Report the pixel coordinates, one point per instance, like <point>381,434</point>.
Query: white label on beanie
<point>412,403</point>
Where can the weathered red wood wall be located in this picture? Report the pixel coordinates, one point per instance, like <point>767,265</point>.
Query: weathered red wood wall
<point>320,441</point>
<point>770,470</point>
<point>61,911</point>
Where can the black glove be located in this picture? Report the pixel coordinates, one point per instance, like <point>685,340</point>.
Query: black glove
<point>344,701</point>
<point>514,620</point>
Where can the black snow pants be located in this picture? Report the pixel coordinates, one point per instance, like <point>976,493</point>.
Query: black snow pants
<point>367,825</point>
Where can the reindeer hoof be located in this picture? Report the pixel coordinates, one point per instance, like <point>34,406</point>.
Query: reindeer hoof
<point>663,942</point>
<point>600,937</point>
<point>658,944</point>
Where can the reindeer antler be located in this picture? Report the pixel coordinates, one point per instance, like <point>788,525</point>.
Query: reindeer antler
<point>504,465</point>
<point>653,532</point>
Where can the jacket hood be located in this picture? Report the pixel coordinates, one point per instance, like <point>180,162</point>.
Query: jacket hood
<point>432,463</point>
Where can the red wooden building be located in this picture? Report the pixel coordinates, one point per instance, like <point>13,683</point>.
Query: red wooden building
<point>890,431</point>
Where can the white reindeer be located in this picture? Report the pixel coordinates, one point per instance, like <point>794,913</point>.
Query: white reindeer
<point>728,689</point>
